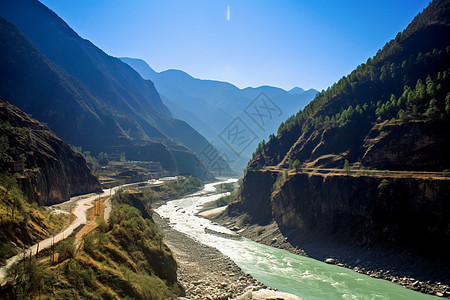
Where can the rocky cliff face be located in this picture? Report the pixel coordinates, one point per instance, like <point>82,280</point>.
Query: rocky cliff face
<point>407,145</point>
<point>53,172</point>
<point>403,212</point>
<point>386,227</point>
<point>255,196</point>
<point>391,211</point>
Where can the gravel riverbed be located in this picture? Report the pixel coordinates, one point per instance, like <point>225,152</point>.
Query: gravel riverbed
<point>203,271</point>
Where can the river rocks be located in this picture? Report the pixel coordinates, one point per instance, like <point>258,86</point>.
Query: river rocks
<point>266,294</point>
<point>330,261</point>
<point>204,272</point>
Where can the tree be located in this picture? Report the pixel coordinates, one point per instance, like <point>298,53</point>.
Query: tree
<point>4,148</point>
<point>431,88</point>
<point>384,188</point>
<point>404,63</point>
<point>347,167</point>
<point>103,159</point>
<point>296,165</point>
<point>11,194</point>
<point>433,110</point>
<point>66,249</point>
<point>393,100</point>
<point>447,104</point>
<point>401,114</point>
<point>420,89</point>
<point>159,239</point>
<point>122,157</point>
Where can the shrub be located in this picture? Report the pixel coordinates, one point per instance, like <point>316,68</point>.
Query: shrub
<point>66,249</point>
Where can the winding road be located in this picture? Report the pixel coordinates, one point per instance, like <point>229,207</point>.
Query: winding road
<point>81,205</point>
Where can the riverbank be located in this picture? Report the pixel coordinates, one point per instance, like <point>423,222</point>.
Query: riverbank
<point>203,271</point>
<point>405,269</point>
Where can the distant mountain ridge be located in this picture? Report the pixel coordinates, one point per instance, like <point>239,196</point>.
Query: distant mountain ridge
<point>211,106</point>
<point>107,105</point>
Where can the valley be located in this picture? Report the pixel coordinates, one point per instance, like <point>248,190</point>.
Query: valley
<point>277,268</point>
<point>143,155</point>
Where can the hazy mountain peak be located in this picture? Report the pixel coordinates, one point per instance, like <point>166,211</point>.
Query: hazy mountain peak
<point>140,66</point>
<point>296,90</point>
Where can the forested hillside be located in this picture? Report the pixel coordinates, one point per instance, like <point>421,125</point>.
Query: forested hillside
<point>387,104</point>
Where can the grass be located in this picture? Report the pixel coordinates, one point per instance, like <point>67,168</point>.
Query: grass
<point>22,224</point>
<point>124,258</point>
<point>232,188</point>
<point>183,187</point>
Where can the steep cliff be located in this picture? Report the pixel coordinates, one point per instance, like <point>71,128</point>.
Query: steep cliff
<point>393,211</point>
<point>53,172</point>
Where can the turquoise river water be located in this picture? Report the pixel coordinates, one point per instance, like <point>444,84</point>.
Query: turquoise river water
<point>298,275</point>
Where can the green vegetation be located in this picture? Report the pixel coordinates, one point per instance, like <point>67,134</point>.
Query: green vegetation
<point>182,187</point>
<point>347,167</point>
<point>227,187</point>
<point>22,223</point>
<point>260,148</point>
<point>282,177</point>
<point>225,200</point>
<point>91,160</point>
<point>428,98</point>
<point>122,157</point>
<point>408,80</point>
<point>103,158</point>
<point>295,165</point>
<point>9,153</point>
<point>122,259</point>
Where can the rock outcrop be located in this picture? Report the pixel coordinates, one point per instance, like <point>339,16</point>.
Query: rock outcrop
<point>53,171</point>
<point>412,212</point>
<point>395,211</point>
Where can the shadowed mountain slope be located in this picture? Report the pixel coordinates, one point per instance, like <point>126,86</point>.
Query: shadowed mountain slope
<point>110,106</point>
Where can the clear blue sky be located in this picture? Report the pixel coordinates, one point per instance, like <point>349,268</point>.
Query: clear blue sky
<point>310,44</point>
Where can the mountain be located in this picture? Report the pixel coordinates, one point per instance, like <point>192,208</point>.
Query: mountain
<point>107,105</point>
<point>212,108</point>
<point>363,170</point>
<point>296,90</point>
<point>50,171</point>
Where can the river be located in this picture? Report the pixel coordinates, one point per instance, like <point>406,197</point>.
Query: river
<point>298,275</point>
